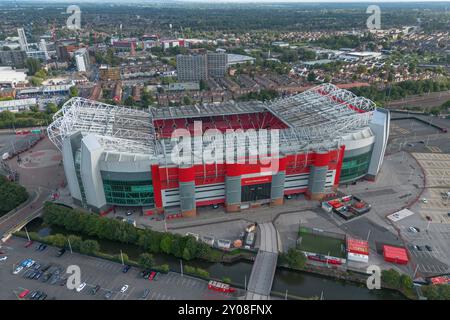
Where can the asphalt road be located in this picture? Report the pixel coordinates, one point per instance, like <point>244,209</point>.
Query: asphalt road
<point>95,271</point>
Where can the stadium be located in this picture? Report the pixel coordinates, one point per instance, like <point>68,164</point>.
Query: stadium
<point>117,156</point>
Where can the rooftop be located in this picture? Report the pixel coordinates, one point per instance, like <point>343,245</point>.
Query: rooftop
<point>318,118</point>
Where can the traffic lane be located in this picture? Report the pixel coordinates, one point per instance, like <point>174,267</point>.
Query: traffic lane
<point>95,271</point>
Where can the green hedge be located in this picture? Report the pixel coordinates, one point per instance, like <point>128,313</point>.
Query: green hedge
<point>185,247</point>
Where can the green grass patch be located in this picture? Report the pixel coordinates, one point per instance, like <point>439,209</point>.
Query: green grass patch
<point>321,244</point>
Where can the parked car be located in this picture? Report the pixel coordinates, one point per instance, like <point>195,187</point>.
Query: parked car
<point>17,269</point>
<point>95,289</point>
<point>38,275</point>
<point>124,288</point>
<point>412,229</point>
<point>43,247</point>
<point>29,243</point>
<point>419,248</point>
<point>152,275</point>
<point>46,267</point>
<point>428,218</point>
<point>424,200</point>
<point>38,295</point>
<point>3,258</point>
<point>36,266</point>
<point>126,268</point>
<point>32,295</point>
<point>24,293</point>
<point>81,287</point>
<point>145,294</point>
<point>61,252</point>
<point>108,295</point>
<point>428,248</point>
<point>63,282</point>
<point>43,296</point>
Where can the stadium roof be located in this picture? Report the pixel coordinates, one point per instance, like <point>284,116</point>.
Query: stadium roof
<point>317,119</point>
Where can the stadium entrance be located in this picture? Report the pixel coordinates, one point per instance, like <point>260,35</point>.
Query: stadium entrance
<point>256,192</point>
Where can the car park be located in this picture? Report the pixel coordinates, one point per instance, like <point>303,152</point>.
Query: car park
<point>81,287</point>
<point>124,288</point>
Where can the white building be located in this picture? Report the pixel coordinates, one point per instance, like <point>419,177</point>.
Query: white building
<point>11,77</point>
<point>82,60</point>
<point>22,39</point>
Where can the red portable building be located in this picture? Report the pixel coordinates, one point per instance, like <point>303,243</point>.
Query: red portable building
<point>395,254</point>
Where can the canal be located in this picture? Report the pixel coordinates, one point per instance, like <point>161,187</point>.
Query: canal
<point>300,284</point>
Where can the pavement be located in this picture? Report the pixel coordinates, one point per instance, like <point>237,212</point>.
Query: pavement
<point>41,174</point>
<point>95,271</point>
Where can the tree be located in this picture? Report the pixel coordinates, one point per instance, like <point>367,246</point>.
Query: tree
<point>11,193</point>
<point>33,65</point>
<point>129,101</point>
<point>146,261</point>
<point>187,100</point>
<point>75,242</point>
<point>36,81</point>
<point>311,77</point>
<point>89,247</point>
<point>73,91</point>
<point>295,258</point>
<point>57,240</point>
<point>166,243</point>
<point>436,291</point>
<point>51,108</point>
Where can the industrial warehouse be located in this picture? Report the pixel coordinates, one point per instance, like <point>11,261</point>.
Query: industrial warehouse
<point>117,156</point>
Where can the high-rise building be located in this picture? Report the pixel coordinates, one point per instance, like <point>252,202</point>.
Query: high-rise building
<point>217,64</point>
<point>82,60</point>
<point>43,48</point>
<point>13,58</point>
<point>202,66</point>
<point>192,67</point>
<point>22,39</point>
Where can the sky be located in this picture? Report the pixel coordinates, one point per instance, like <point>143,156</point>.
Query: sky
<point>241,1</point>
